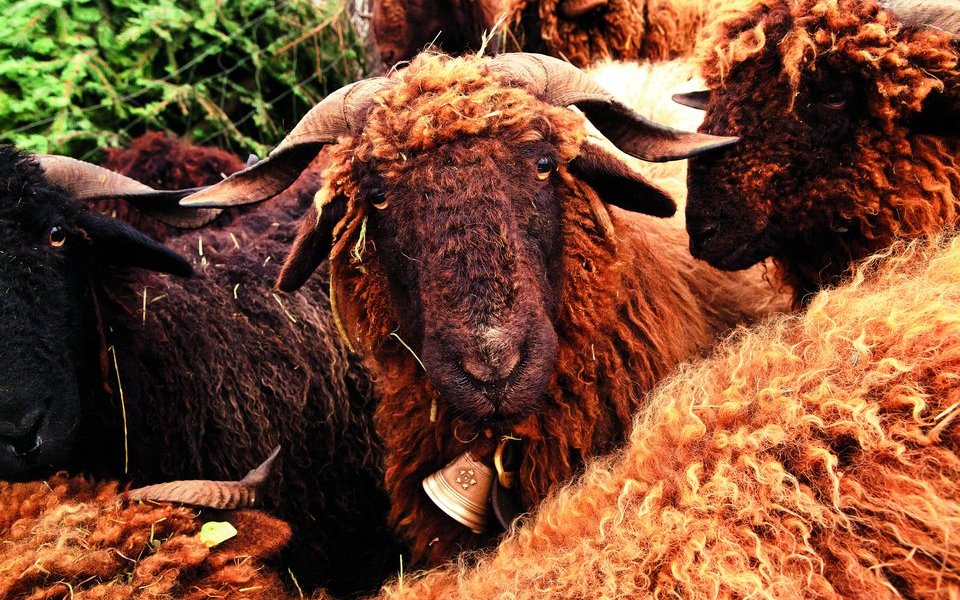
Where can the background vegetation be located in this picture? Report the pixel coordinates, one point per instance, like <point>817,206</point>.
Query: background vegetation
<point>78,75</point>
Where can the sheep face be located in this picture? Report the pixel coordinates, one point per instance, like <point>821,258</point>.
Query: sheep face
<point>454,188</point>
<point>471,254</point>
<point>835,156</point>
<point>448,213</point>
<point>50,244</point>
<point>39,404</point>
<point>462,193</point>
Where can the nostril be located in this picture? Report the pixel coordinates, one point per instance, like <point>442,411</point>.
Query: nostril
<point>477,370</point>
<point>25,440</point>
<point>491,370</point>
<point>26,445</point>
<point>705,229</point>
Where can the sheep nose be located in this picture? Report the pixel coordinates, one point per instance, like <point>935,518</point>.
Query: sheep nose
<point>489,368</point>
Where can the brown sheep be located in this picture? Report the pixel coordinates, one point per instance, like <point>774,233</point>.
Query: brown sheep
<point>814,456</point>
<point>848,116</point>
<point>403,28</point>
<point>585,31</point>
<point>482,273</point>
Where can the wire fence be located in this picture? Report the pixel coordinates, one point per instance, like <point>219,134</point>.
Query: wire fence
<point>206,106</point>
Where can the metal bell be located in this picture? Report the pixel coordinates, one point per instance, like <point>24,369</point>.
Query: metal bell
<point>462,490</point>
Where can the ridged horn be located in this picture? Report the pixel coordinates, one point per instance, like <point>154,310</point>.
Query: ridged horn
<point>572,9</point>
<point>88,182</point>
<point>340,113</point>
<point>221,495</point>
<point>563,84</point>
<point>942,14</point>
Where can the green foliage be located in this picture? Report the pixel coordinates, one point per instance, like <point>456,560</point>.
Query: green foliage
<point>77,75</point>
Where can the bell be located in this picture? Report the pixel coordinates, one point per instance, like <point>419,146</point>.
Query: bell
<point>462,490</point>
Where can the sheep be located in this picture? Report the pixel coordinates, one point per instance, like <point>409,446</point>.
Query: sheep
<point>813,456</point>
<point>847,112</point>
<point>839,478</point>
<point>70,536</point>
<point>579,31</point>
<point>644,85</point>
<point>584,31</point>
<point>482,269</point>
<point>164,162</point>
<point>402,28</point>
<point>122,372</point>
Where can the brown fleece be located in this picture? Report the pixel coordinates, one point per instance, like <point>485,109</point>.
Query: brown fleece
<point>843,149</point>
<point>814,456</point>
<point>618,29</point>
<point>70,537</point>
<point>403,28</point>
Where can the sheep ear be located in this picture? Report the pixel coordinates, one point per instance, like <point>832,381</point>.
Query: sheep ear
<point>617,183</point>
<point>118,243</point>
<point>940,116</point>
<point>313,244</point>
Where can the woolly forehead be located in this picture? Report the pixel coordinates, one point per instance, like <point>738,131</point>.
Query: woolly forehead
<point>439,100</point>
<point>854,35</point>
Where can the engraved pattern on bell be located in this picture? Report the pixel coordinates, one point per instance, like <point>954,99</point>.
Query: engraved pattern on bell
<point>466,478</point>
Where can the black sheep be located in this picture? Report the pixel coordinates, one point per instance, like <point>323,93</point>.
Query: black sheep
<point>132,373</point>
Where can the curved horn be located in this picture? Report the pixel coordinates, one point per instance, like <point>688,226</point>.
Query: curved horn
<point>89,182</point>
<point>572,9</point>
<point>222,495</point>
<point>942,14</point>
<point>563,84</point>
<point>698,100</point>
<point>340,113</point>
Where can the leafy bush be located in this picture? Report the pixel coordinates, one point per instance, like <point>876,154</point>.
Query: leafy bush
<point>76,75</point>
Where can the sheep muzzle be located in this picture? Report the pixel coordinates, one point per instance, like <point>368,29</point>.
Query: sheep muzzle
<point>497,384</point>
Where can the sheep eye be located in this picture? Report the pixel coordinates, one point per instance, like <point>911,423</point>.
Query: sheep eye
<point>379,199</point>
<point>545,166</point>
<point>835,100</point>
<point>57,237</point>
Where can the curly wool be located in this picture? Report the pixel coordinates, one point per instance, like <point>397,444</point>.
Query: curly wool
<point>907,64</point>
<point>869,194</point>
<point>621,30</point>
<point>72,537</point>
<point>166,163</point>
<point>400,29</point>
<point>632,300</point>
<point>813,456</point>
